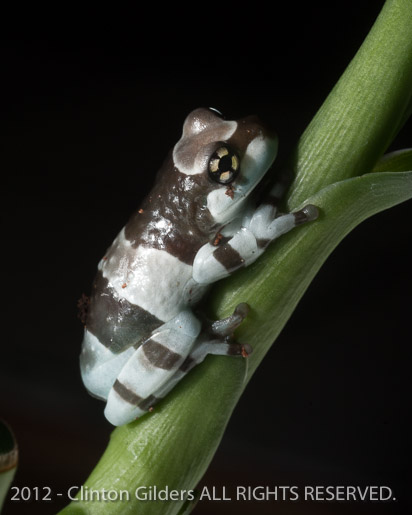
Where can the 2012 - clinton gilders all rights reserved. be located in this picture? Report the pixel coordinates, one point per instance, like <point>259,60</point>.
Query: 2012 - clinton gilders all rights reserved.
<point>308,493</point>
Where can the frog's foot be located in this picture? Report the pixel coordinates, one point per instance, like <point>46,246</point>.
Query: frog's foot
<point>226,327</point>
<point>240,349</point>
<point>219,347</point>
<point>216,338</point>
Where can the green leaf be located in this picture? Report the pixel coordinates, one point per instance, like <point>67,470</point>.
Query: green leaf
<point>364,111</point>
<point>398,161</point>
<point>8,460</point>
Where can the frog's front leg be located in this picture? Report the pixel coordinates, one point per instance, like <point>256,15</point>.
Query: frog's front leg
<point>248,243</point>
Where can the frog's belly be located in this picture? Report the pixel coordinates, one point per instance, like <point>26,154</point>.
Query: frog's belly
<point>147,277</point>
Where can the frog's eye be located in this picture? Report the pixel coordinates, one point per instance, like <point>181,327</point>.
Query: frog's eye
<point>224,165</point>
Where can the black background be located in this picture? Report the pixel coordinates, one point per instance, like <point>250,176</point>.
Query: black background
<point>87,123</point>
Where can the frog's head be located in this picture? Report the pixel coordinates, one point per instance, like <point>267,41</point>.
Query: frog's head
<point>227,159</point>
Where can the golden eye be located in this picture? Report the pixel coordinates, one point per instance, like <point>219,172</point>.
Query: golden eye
<point>224,165</point>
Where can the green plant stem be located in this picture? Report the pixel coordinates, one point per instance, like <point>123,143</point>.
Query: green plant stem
<point>173,446</point>
<point>365,110</point>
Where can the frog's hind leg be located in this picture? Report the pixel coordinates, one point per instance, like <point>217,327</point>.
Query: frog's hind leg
<point>151,367</point>
<point>201,350</point>
<point>216,338</point>
<point>162,360</point>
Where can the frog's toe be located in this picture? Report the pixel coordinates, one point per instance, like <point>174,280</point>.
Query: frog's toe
<point>307,214</point>
<point>228,325</point>
<point>246,350</point>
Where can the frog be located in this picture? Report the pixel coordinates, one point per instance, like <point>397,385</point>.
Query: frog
<point>199,224</point>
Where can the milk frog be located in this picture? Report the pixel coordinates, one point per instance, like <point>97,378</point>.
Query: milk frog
<point>198,225</point>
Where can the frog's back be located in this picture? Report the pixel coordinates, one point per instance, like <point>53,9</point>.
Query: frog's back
<point>142,280</point>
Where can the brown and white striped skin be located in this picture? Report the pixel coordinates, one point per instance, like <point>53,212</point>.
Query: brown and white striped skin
<point>141,336</point>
